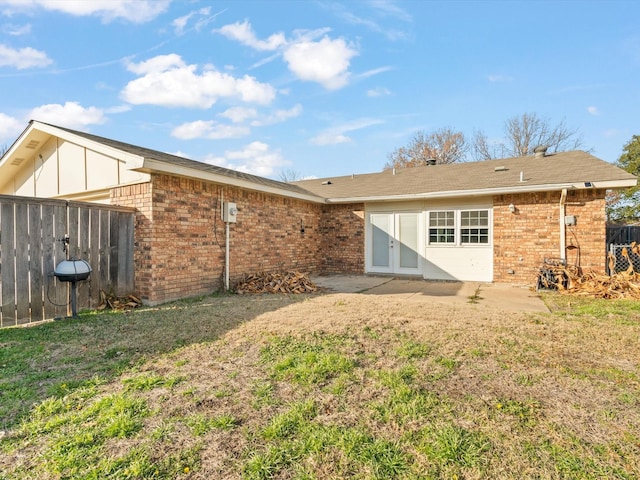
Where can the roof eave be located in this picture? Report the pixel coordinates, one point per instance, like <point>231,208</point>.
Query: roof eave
<point>610,184</point>
<point>150,165</point>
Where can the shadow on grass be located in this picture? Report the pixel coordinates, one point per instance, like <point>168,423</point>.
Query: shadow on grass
<point>53,358</point>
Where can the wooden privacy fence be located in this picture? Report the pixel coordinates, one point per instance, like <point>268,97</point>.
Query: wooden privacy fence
<point>31,230</point>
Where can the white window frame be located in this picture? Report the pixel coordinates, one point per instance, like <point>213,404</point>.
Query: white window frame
<point>440,228</point>
<point>483,224</point>
<point>478,234</point>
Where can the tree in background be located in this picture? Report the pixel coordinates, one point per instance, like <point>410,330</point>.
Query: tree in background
<point>289,175</point>
<point>624,206</point>
<point>443,145</point>
<point>523,133</point>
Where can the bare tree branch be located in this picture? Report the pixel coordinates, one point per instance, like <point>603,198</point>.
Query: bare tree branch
<point>289,175</point>
<point>443,145</point>
<point>523,133</point>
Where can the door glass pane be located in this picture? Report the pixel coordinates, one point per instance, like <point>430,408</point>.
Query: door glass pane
<point>380,240</point>
<point>408,235</point>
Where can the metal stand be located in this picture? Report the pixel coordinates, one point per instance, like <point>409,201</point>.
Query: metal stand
<point>74,311</point>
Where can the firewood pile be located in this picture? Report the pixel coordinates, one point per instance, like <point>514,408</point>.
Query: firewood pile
<point>109,301</point>
<point>279,282</point>
<point>625,284</point>
<point>619,285</point>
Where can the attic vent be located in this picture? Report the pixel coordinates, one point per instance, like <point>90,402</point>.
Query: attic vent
<point>431,161</point>
<point>500,169</point>
<point>328,182</point>
<point>32,144</point>
<point>17,161</point>
<point>540,151</point>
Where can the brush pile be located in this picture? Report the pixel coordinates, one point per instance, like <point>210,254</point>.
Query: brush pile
<point>624,284</point>
<point>109,301</point>
<point>283,282</point>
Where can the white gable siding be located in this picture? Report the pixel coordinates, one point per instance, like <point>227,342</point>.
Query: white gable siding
<point>61,168</point>
<point>45,183</point>
<point>71,174</point>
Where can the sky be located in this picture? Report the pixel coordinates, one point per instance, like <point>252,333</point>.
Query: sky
<point>304,88</point>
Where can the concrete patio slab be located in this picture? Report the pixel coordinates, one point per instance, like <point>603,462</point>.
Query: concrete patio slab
<point>505,297</point>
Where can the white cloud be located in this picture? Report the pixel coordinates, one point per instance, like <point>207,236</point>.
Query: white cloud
<point>208,129</point>
<point>336,135</point>
<point>256,158</point>
<point>380,9</point>
<point>23,58</point>
<point>167,81</point>
<point>180,23</point>
<point>326,61</point>
<point>497,78</point>
<point>71,114</point>
<point>10,127</point>
<point>135,11</point>
<point>378,92</point>
<point>330,138</point>
<point>118,109</point>
<point>16,30</point>
<point>239,114</point>
<point>593,110</point>
<point>243,33</point>
<point>373,72</point>
<point>157,64</point>
<point>278,116</point>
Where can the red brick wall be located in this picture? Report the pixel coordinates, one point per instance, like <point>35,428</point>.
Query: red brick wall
<point>180,236</point>
<point>523,239</point>
<point>342,242</point>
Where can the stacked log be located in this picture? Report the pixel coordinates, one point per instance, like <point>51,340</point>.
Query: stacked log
<point>109,301</point>
<point>278,282</point>
<point>624,284</point>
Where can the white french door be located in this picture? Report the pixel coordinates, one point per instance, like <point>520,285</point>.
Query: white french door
<point>394,243</point>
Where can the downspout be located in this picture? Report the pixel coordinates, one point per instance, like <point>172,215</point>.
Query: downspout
<point>563,227</point>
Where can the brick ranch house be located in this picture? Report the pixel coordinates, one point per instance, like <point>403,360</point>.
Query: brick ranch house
<point>491,221</point>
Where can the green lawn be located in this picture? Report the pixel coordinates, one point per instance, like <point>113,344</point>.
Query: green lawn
<point>324,386</point>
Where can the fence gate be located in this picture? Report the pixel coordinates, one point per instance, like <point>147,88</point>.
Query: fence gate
<point>30,248</point>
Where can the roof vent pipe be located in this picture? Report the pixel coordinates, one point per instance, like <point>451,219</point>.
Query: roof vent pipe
<point>522,176</point>
<point>394,170</point>
<point>540,151</point>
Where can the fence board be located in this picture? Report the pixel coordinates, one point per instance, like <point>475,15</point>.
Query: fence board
<point>83,296</point>
<point>8,265</point>
<point>61,289</point>
<point>22,262</point>
<point>125,253</point>
<point>94,251</point>
<point>36,275</point>
<point>104,251</point>
<point>113,248</point>
<point>48,260</point>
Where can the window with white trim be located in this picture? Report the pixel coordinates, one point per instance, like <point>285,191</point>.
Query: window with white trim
<point>442,227</point>
<point>474,226</point>
<point>459,227</point>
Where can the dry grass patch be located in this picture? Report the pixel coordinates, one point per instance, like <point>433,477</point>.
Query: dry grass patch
<point>340,386</point>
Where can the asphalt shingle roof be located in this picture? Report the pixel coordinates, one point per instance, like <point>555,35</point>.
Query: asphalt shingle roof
<point>574,167</point>
<point>552,169</point>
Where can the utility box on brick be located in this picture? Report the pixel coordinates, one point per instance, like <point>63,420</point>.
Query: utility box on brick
<point>229,212</point>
